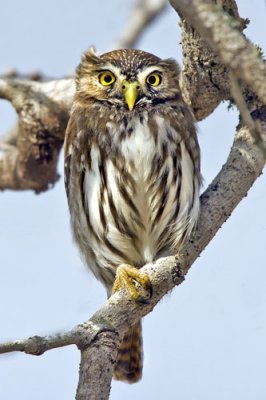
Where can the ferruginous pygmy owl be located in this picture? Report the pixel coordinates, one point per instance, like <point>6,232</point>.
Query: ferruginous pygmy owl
<point>132,173</point>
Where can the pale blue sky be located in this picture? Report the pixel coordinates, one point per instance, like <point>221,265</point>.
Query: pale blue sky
<point>206,340</point>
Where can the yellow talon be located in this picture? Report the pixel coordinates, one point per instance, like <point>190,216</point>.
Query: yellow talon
<point>136,283</point>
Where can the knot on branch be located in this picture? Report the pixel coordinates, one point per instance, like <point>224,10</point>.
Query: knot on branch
<point>36,345</point>
<point>178,273</point>
<point>89,332</point>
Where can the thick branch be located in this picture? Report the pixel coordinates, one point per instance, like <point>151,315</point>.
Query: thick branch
<point>29,160</point>
<point>221,32</point>
<point>205,81</point>
<point>96,367</point>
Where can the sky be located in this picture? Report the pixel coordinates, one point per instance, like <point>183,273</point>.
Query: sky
<point>204,341</point>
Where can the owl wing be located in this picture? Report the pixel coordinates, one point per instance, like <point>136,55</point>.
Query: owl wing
<point>71,132</point>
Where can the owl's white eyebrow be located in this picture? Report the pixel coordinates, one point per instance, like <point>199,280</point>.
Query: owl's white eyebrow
<point>115,70</point>
<point>147,71</point>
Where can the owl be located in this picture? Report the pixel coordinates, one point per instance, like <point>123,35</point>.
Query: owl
<point>132,175</point>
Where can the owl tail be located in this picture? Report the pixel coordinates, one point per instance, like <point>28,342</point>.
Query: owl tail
<point>130,356</point>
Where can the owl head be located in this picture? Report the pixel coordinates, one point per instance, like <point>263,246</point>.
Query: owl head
<point>126,79</point>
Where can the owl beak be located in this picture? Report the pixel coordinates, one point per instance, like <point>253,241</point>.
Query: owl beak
<point>130,91</point>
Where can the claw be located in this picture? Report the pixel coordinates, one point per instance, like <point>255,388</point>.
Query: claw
<point>136,283</point>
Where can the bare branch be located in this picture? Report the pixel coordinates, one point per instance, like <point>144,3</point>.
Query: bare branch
<point>204,80</point>
<point>28,157</point>
<point>221,33</point>
<point>253,125</point>
<point>38,345</point>
<point>142,15</point>
<point>96,367</point>
<point>15,74</point>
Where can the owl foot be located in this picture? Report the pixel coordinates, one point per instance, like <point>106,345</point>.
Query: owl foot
<point>136,283</point>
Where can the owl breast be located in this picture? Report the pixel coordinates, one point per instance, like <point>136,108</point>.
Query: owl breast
<point>140,199</point>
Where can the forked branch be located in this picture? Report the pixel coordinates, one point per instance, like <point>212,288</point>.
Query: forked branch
<point>98,338</point>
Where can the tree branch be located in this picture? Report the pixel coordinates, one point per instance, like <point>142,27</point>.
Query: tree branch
<point>204,80</point>
<point>253,125</point>
<point>29,156</point>
<point>143,14</point>
<point>32,76</point>
<point>219,28</point>
<point>37,345</point>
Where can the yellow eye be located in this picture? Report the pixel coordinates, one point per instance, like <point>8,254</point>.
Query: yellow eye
<point>106,78</point>
<point>154,79</point>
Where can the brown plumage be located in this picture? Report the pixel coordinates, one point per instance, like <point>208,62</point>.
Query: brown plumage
<point>132,173</point>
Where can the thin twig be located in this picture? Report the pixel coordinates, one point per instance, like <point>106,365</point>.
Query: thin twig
<point>38,345</point>
<point>36,76</point>
<point>253,125</point>
<point>32,76</point>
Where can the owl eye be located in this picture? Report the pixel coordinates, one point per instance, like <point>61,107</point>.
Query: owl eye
<point>154,79</point>
<point>106,78</point>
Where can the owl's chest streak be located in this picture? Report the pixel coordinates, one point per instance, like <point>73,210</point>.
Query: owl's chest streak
<point>129,176</point>
<point>126,195</point>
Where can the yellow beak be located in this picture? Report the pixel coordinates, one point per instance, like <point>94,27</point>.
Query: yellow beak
<point>130,91</point>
